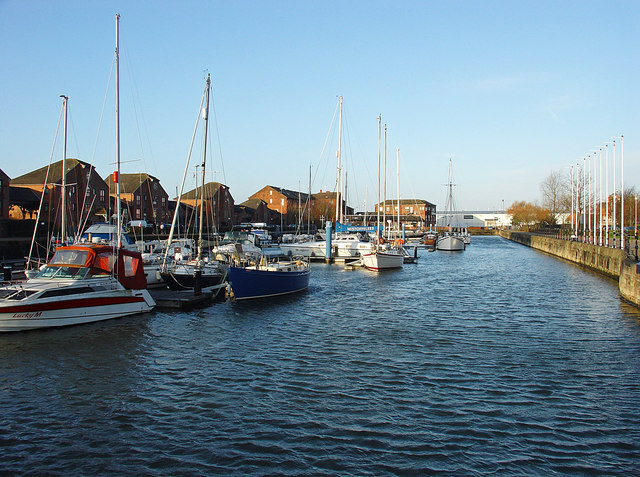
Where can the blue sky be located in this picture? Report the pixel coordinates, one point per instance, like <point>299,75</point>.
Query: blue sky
<point>510,90</point>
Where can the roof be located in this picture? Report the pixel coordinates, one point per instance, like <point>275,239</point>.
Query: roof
<point>324,195</point>
<point>252,203</point>
<point>407,202</point>
<point>290,194</point>
<point>210,189</point>
<point>23,196</point>
<point>38,176</point>
<point>129,183</point>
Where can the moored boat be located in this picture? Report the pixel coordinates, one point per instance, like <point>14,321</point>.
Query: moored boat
<point>81,284</point>
<point>269,279</point>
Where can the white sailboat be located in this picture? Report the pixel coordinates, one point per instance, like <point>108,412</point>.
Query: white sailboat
<point>382,256</point>
<point>450,241</point>
<point>198,273</point>
<point>82,283</point>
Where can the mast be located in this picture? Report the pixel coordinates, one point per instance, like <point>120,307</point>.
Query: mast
<point>117,174</point>
<point>339,172</point>
<point>398,184</point>
<point>63,222</point>
<point>384,200</point>
<point>205,116</point>
<point>378,206</point>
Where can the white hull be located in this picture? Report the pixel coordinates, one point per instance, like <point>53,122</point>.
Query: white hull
<point>55,312</point>
<point>304,249</point>
<point>450,243</point>
<point>378,260</point>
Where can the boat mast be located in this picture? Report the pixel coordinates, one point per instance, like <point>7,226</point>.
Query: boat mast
<point>63,222</point>
<point>384,210</point>
<point>378,206</point>
<point>398,184</point>
<point>338,181</point>
<point>205,116</point>
<point>117,174</point>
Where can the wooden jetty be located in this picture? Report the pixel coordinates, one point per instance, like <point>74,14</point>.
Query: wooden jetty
<point>184,299</point>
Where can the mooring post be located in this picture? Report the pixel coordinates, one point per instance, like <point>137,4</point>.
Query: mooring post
<point>328,244</point>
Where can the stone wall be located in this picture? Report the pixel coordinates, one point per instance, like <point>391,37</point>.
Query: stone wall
<point>609,261</point>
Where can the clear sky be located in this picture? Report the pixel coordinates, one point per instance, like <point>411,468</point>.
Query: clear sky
<point>510,90</point>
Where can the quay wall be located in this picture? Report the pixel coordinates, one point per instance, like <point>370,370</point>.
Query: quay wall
<point>612,262</point>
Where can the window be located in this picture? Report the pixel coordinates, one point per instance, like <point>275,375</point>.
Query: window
<point>155,186</point>
<point>102,195</point>
<point>271,201</point>
<point>137,199</point>
<point>270,192</point>
<point>281,201</point>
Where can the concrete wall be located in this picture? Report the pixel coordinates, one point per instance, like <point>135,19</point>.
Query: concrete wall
<point>609,261</point>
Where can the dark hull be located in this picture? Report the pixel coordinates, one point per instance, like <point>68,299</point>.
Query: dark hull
<point>250,283</point>
<point>186,281</point>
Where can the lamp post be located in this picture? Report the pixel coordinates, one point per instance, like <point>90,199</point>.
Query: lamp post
<point>621,137</point>
<point>600,187</point>
<point>607,193</point>
<point>584,200</point>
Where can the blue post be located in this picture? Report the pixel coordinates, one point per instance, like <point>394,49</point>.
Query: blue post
<point>328,246</point>
<point>404,234</point>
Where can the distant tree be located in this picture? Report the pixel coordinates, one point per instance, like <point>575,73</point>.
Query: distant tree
<point>556,195</point>
<point>526,213</point>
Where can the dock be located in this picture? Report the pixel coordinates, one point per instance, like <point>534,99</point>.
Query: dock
<point>184,299</point>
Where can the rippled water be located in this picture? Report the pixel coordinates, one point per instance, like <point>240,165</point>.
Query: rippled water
<point>496,360</point>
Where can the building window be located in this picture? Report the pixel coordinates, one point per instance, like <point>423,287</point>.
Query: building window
<point>271,201</point>
<point>138,213</point>
<point>137,199</point>
<point>281,201</point>
<point>102,195</point>
<point>155,186</point>
<point>270,192</point>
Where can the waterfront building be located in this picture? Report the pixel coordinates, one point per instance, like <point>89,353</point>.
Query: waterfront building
<point>218,203</point>
<point>484,219</point>
<point>142,197</point>
<point>86,193</point>
<point>4,201</point>
<point>255,211</point>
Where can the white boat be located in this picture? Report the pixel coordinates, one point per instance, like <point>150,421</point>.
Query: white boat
<point>382,256</point>
<point>80,284</point>
<point>200,272</point>
<point>450,241</point>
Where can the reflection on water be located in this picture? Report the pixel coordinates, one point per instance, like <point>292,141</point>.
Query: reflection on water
<point>499,359</point>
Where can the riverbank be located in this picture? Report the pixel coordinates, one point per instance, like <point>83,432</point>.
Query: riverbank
<point>612,262</point>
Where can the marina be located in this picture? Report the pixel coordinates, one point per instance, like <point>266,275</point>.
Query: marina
<point>459,369</point>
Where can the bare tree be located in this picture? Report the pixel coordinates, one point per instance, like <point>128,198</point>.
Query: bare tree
<point>555,192</point>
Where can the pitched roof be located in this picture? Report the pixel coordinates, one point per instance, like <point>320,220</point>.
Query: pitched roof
<point>23,196</point>
<point>38,176</point>
<point>129,183</point>
<point>406,202</point>
<point>252,203</point>
<point>290,194</point>
<point>210,189</point>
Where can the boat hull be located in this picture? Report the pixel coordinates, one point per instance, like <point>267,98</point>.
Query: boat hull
<point>450,243</point>
<point>378,261</point>
<point>249,283</point>
<point>186,281</point>
<point>56,313</point>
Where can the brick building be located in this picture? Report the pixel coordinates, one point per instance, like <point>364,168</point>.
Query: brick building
<point>143,198</point>
<point>218,202</point>
<point>86,196</point>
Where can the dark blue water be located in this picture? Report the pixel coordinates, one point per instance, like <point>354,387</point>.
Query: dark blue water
<point>498,360</point>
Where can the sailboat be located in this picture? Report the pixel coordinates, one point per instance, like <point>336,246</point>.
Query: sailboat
<point>450,241</point>
<point>81,283</point>
<point>382,256</point>
<point>198,273</point>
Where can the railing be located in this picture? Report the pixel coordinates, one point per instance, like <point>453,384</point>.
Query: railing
<point>566,233</point>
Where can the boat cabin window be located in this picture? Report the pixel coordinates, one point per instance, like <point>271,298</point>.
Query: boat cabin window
<point>70,257</point>
<point>12,294</point>
<point>63,273</point>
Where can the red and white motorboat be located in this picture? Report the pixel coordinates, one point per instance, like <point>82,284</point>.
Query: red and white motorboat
<point>80,284</point>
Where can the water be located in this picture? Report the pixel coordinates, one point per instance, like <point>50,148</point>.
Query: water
<point>496,360</point>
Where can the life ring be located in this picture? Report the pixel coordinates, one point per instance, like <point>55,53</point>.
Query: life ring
<point>399,242</point>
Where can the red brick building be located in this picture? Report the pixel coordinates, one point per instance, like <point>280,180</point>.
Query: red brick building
<point>143,198</point>
<point>87,194</point>
<point>218,203</point>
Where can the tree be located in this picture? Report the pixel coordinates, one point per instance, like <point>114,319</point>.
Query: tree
<point>555,195</point>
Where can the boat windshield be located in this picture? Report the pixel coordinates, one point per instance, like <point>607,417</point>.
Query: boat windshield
<point>70,257</point>
<point>63,273</point>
